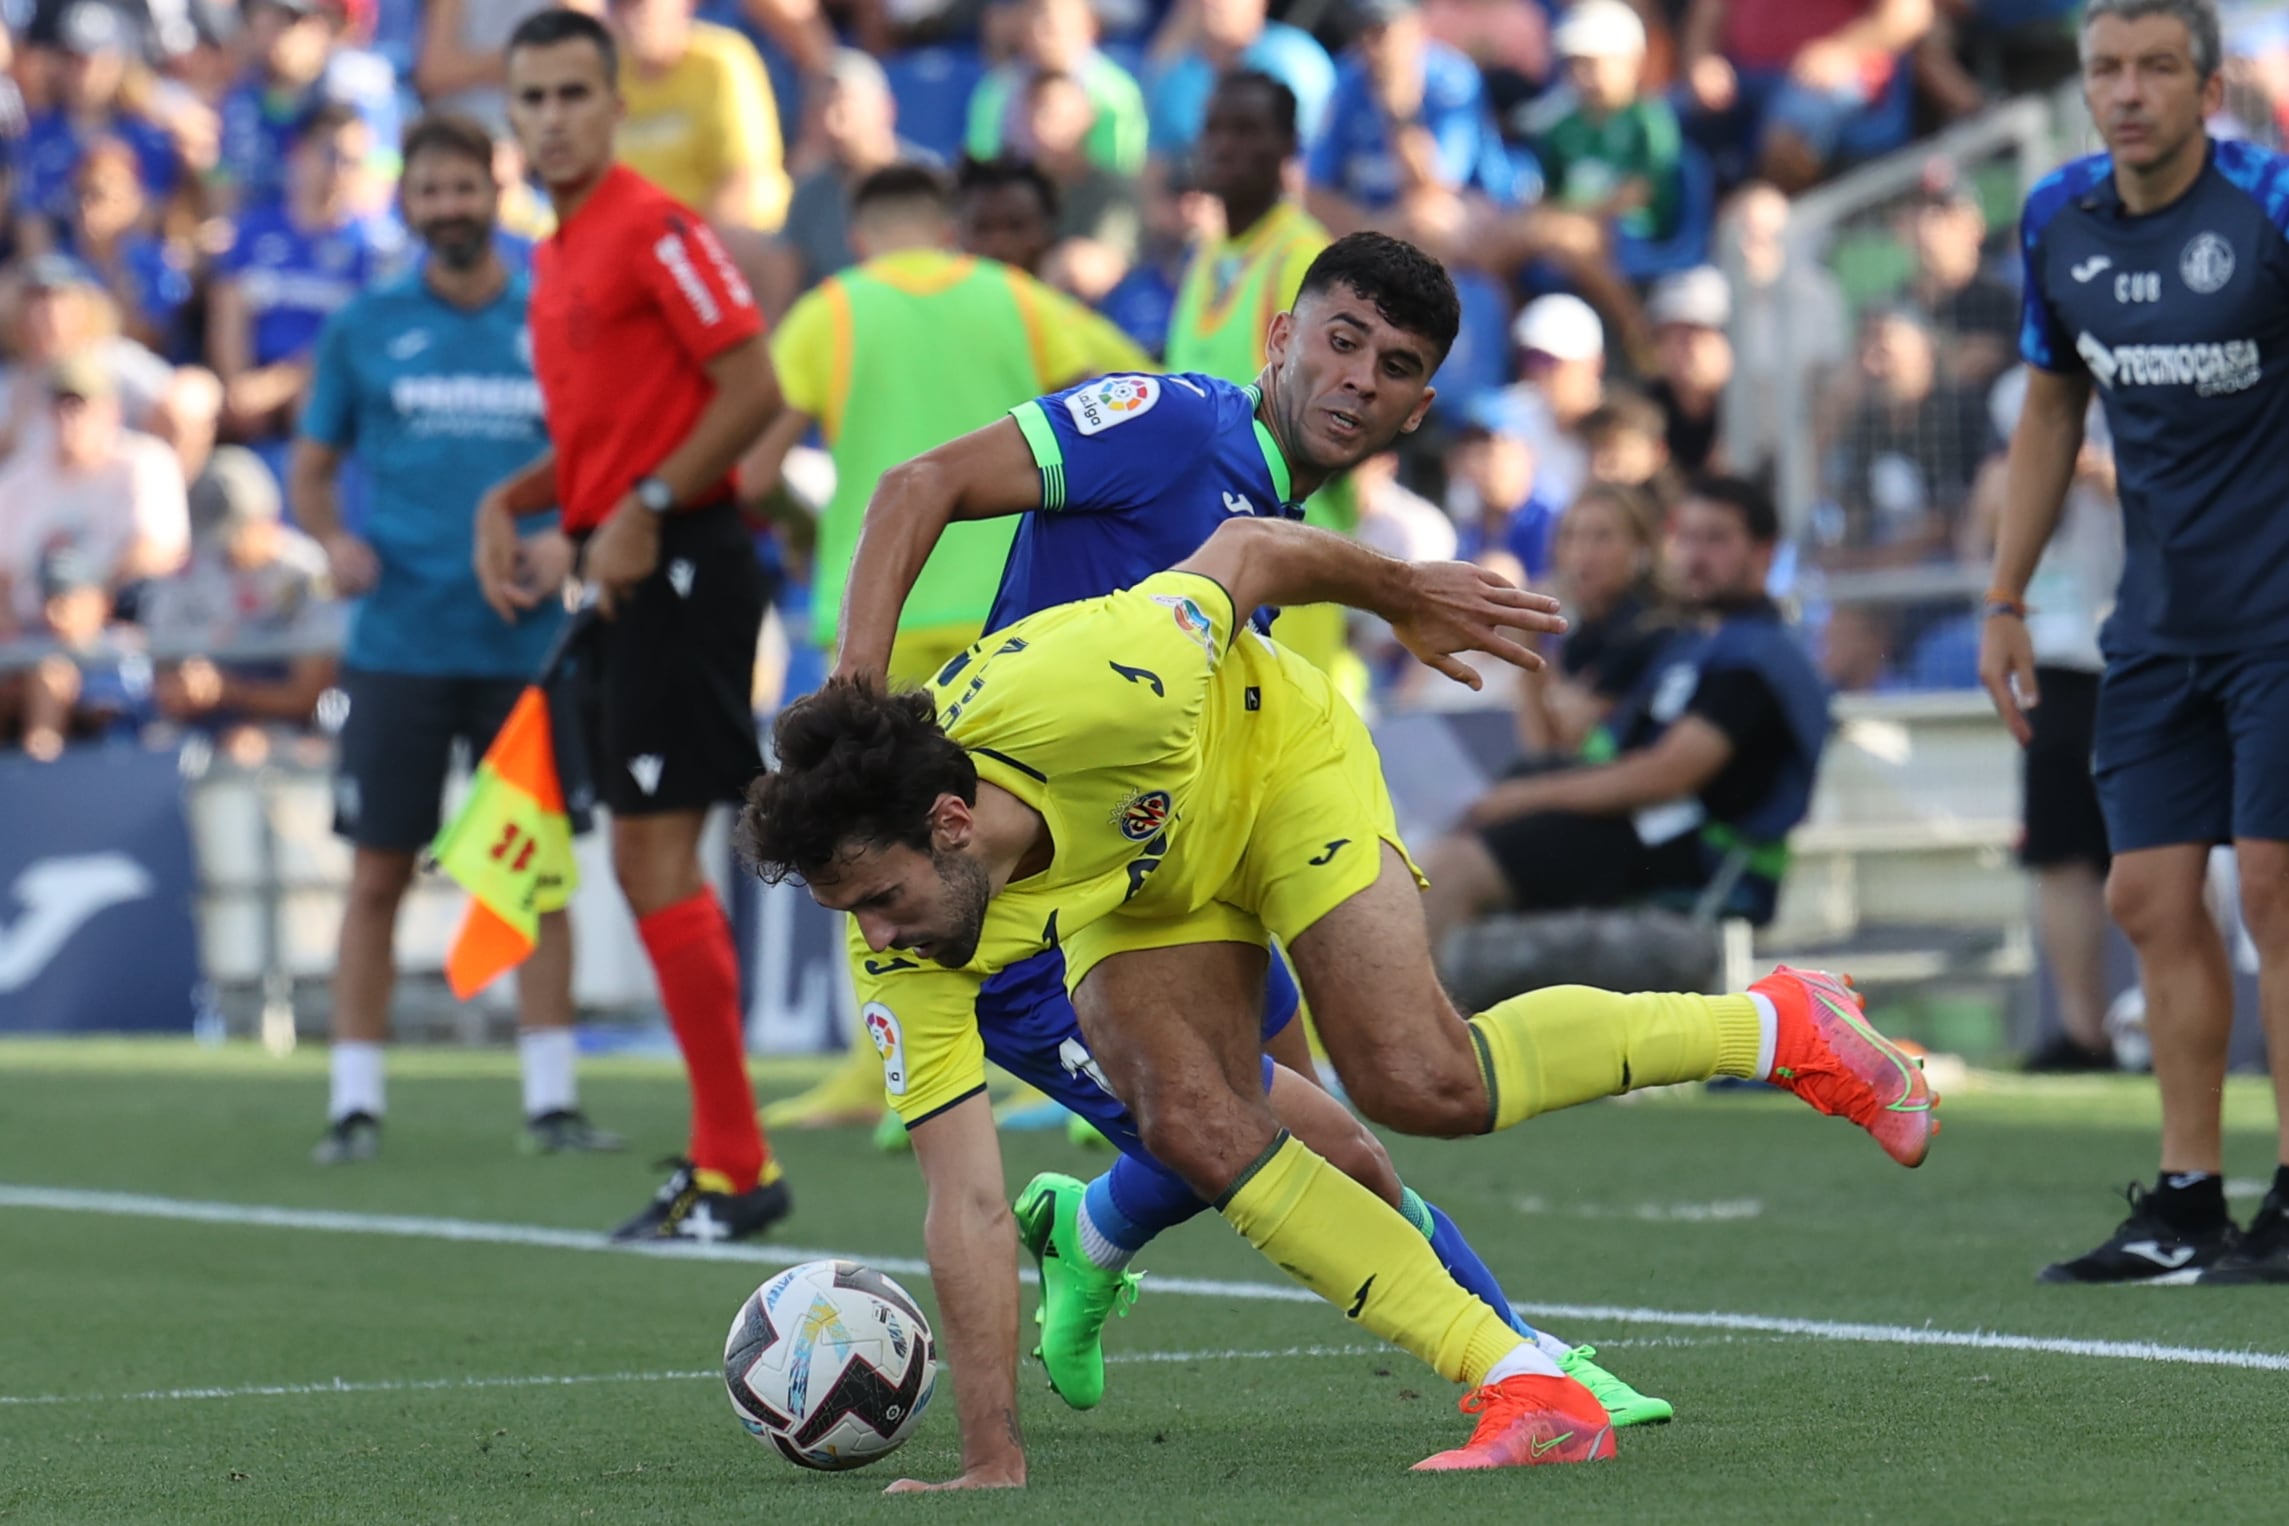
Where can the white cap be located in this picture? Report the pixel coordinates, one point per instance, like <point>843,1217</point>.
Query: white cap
<point>1697,298</point>
<point>1599,29</point>
<point>1560,325</point>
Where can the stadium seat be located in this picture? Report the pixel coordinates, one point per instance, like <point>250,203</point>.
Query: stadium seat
<point>932,86</point>
<point>1644,260</point>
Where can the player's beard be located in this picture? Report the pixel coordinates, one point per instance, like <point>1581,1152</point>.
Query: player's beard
<point>968,889</point>
<point>458,243</point>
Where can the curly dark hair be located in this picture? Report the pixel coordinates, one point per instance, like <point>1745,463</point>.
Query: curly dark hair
<point>1410,289</point>
<point>855,767</point>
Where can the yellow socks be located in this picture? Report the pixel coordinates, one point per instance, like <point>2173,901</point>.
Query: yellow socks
<point>1357,1252</point>
<point>1550,1049</point>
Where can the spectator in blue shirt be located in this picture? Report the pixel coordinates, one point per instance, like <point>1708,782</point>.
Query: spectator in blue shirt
<point>1408,138</point>
<point>1204,40</point>
<point>90,101</point>
<point>149,277</point>
<point>292,268</point>
<point>302,62</point>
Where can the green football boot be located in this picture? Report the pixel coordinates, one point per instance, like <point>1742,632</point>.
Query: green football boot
<point>1623,1403</point>
<point>1076,1297</point>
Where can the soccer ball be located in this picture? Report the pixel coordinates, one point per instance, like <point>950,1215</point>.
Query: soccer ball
<point>830,1362</point>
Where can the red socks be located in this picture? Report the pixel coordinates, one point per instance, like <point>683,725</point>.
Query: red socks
<point>690,948</point>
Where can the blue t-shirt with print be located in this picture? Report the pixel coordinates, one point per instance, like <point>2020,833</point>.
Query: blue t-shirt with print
<point>436,403</point>
<point>2180,318</point>
<point>295,278</point>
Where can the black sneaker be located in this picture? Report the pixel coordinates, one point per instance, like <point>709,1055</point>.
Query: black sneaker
<point>568,1131</point>
<point>680,1210</point>
<point>2262,1255</point>
<point>349,1139</point>
<point>2148,1248</point>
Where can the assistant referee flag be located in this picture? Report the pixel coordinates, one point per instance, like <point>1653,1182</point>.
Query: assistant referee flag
<point>510,844</point>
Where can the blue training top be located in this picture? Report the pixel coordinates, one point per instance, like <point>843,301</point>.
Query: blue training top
<point>438,403</point>
<point>2181,318</point>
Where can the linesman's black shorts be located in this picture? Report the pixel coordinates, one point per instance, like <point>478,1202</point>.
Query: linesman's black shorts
<point>396,748</point>
<point>667,684</point>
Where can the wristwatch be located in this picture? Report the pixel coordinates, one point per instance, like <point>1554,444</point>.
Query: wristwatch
<point>654,494</point>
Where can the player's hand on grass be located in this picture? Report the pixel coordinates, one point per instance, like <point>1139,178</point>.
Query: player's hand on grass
<point>623,554</point>
<point>2007,671</point>
<point>1461,607</point>
<point>1000,1476</point>
<point>496,559</point>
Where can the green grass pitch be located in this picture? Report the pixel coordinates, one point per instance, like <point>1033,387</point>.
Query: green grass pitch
<point>419,1378</point>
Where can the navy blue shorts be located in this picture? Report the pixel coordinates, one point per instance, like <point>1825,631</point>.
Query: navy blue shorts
<point>2193,749</point>
<point>1028,1026</point>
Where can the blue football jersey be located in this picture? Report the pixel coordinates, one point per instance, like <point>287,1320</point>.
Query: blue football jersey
<point>2180,318</point>
<point>436,403</point>
<point>49,154</point>
<point>1136,472</point>
<point>296,278</point>
<point>258,124</point>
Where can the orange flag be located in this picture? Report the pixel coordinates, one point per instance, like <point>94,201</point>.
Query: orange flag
<point>510,847</point>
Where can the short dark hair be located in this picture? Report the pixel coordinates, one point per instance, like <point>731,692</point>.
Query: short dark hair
<point>976,176</point>
<point>326,117</point>
<point>907,180</point>
<point>1410,289</point>
<point>1744,498</point>
<point>448,132</point>
<point>545,29</point>
<point>855,767</point>
<point>1282,98</point>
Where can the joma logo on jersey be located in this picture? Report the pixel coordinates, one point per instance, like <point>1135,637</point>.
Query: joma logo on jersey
<point>1144,815</point>
<point>2212,370</point>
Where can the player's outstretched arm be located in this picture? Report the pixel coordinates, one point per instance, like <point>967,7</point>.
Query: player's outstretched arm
<point>2036,476</point>
<point>986,473</point>
<point>1436,609</point>
<point>971,1240</point>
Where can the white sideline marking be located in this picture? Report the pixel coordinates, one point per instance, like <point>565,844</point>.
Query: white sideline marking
<point>1722,1211</point>
<point>574,1380</point>
<point>474,1232</point>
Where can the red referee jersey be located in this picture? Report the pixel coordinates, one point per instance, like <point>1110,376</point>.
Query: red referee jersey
<point>632,297</point>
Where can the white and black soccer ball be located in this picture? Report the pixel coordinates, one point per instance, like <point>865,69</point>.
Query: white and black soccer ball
<point>831,1363</point>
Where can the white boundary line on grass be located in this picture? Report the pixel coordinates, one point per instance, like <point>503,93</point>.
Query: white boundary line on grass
<point>474,1232</point>
<point>583,1379</point>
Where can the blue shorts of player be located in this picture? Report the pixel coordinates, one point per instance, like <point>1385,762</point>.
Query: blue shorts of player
<point>2189,749</point>
<point>1028,1026</point>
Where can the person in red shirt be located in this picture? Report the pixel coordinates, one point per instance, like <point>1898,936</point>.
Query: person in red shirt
<point>655,379</point>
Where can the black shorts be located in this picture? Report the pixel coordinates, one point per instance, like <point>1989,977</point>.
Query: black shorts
<point>396,747</point>
<point>667,685</point>
<point>2059,795</point>
<point>1560,860</point>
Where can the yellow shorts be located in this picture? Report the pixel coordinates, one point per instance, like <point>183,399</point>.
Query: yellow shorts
<point>1299,782</point>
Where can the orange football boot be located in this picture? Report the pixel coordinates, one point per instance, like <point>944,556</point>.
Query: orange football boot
<point>1526,1421</point>
<point>1826,1053</point>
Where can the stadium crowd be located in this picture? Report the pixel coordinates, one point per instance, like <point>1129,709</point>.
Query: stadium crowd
<point>193,187</point>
